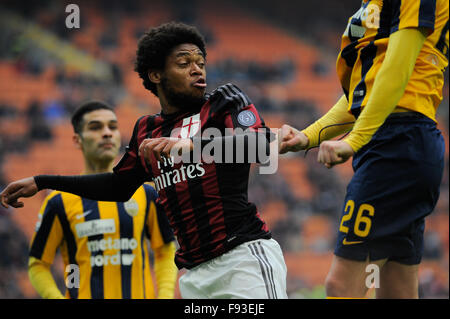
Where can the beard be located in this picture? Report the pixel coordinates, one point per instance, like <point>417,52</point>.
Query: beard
<point>181,100</point>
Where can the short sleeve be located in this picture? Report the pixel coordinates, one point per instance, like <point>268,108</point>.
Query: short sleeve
<point>48,234</point>
<point>413,14</point>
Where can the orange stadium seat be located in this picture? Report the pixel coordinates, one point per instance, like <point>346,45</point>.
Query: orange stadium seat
<point>273,212</point>
<point>294,171</point>
<point>316,227</point>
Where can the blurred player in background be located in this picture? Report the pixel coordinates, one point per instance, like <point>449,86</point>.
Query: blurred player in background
<point>225,245</point>
<point>391,69</point>
<point>105,240</point>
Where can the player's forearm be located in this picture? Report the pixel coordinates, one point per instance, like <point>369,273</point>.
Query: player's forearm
<point>165,271</point>
<point>388,88</point>
<point>42,279</point>
<point>105,186</point>
<point>331,124</point>
<point>250,147</point>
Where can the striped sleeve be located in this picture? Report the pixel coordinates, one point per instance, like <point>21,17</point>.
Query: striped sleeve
<point>413,14</point>
<point>48,234</point>
<point>158,229</point>
<point>227,98</point>
<point>232,108</point>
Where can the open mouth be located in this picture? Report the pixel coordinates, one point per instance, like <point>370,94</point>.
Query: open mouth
<point>200,83</point>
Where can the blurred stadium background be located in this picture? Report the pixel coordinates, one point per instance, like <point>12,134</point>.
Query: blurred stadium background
<point>281,54</point>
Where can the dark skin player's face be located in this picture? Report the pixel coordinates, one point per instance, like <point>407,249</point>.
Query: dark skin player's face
<point>184,77</point>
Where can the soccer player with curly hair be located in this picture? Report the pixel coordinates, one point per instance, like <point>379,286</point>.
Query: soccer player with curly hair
<point>225,246</point>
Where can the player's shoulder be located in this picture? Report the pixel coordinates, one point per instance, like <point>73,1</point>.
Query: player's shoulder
<point>147,123</point>
<point>442,7</point>
<point>142,126</point>
<point>228,96</point>
<point>57,200</point>
<point>54,195</point>
<point>144,120</point>
<point>150,191</point>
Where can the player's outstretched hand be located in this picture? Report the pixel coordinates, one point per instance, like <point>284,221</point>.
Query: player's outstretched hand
<point>163,146</point>
<point>22,188</point>
<point>291,140</point>
<point>334,152</point>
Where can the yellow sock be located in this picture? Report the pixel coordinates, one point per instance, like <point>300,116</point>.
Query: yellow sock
<point>345,298</point>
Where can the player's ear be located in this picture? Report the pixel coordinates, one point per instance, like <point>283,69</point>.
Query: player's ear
<point>76,138</point>
<point>154,76</point>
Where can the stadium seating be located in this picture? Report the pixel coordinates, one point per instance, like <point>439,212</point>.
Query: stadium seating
<point>237,35</point>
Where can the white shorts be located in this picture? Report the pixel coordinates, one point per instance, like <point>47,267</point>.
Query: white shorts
<point>252,270</point>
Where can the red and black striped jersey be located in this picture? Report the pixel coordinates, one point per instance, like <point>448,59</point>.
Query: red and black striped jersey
<point>206,202</point>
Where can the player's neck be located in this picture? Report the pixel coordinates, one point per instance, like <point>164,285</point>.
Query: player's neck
<point>172,103</point>
<point>97,167</point>
<point>166,108</point>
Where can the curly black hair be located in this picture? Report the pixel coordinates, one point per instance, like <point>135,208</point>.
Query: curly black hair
<point>156,44</point>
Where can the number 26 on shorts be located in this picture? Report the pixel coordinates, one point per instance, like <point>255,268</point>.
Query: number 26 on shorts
<point>363,220</point>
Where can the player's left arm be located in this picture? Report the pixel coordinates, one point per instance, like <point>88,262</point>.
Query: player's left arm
<point>42,279</point>
<point>46,239</point>
<point>401,55</point>
<point>250,141</point>
<point>232,110</point>
<point>165,270</point>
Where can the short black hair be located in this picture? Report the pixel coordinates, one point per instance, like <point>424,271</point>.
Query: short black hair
<point>157,43</point>
<point>87,107</point>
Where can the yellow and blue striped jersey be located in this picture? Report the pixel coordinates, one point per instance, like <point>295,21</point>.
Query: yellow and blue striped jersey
<point>105,240</point>
<point>365,41</point>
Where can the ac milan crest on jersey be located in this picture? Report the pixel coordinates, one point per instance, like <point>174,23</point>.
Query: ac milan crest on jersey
<point>190,126</point>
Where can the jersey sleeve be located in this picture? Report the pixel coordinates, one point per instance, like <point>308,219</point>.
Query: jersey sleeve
<point>130,161</point>
<point>42,279</point>
<point>413,14</point>
<point>232,108</point>
<point>334,123</point>
<point>158,229</point>
<point>48,234</point>
<point>227,102</point>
